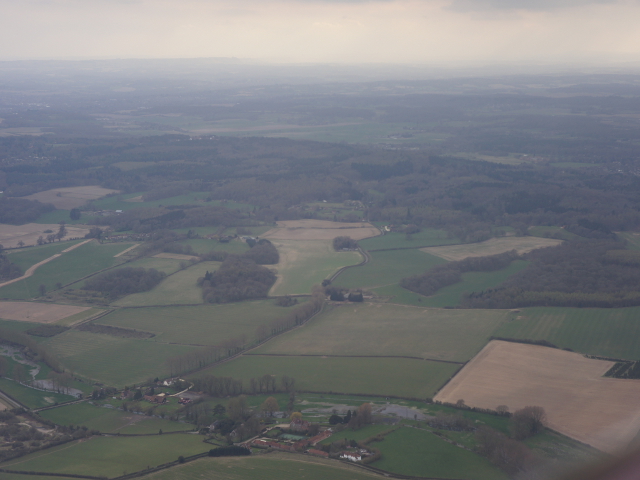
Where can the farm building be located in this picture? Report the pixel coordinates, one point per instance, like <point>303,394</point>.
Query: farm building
<point>299,425</point>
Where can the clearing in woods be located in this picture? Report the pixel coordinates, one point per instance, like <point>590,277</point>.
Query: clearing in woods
<point>37,312</point>
<point>320,230</point>
<point>181,288</point>
<point>493,246</point>
<point>377,329</point>
<point>70,197</point>
<point>305,263</point>
<point>578,400</point>
<point>11,235</point>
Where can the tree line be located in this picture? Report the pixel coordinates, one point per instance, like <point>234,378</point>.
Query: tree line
<point>449,273</point>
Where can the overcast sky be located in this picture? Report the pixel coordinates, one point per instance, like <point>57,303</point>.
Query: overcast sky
<point>400,31</point>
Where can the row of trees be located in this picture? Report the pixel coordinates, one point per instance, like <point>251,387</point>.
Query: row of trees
<point>228,386</point>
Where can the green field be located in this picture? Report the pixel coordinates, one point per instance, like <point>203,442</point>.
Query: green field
<point>111,456</point>
<point>548,231</point>
<point>203,245</point>
<point>78,317</point>
<point>409,451</point>
<point>69,267</point>
<point>113,360</point>
<point>387,268</point>
<point>179,288</point>
<point>378,329</point>
<point>31,397</point>
<point>110,420</point>
<point>305,263</point>
<point>275,466</point>
<point>201,325</point>
<point>599,331</point>
<point>25,257</point>
<point>472,282</point>
<point>426,238</point>
<point>58,216</point>
<point>373,376</point>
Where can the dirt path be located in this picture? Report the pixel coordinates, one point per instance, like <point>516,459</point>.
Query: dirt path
<point>30,271</point>
<point>125,251</point>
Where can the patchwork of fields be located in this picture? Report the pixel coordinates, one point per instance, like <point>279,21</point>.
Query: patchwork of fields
<point>578,400</point>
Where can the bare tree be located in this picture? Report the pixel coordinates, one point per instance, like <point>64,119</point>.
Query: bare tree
<point>527,421</point>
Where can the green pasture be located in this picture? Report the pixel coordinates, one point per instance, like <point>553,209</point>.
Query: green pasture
<point>373,376</point>
<point>610,332</point>
<point>199,325</point>
<point>387,268</point>
<point>397,295</point>
<point>113,360</point>
<point>305,263</point>
<point>472,282</point>
<point>31,397</point>
<point>426,238</point>
<point>279,466</point>
<point>409,451</point>
<point>178,288</point>
<point>18,326</point>
<point>70,267</point>
<point>26,257</point>
<point>380,329</point>
<point>110,420</point>
<point>358,435</point>
<point>166,265</point>
<point>111,456</point>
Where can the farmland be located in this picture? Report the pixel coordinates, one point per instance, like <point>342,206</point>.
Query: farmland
<point>166,265</point>
<point>179,288</point>
<point>31,397</point>
<point>69,267</point>
<point>305,263</point>
<point>113,360</point>
<point>200,325</point>
<point>599,331</point>
<point>320,230</point>
<point>110,420</point>
<point>37,312</point>
<point>492,246</point>
<point>275,466</point>
<point>409,451</point>
<point>387,268</point>
<point>518,375</point>
<point>71,197</point>
<point>373,376</point>
<point>11,235</point>
<point>425,238</point>
<point>111,456</point>
<point>379,329</point>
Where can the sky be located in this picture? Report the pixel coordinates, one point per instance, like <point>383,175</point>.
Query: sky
<point>456,32</point>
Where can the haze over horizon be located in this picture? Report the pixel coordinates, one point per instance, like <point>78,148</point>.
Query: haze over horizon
<point>447,32</point>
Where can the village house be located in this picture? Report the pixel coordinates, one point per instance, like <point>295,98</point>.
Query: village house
<point>158,399</point>
<point>299,425</point>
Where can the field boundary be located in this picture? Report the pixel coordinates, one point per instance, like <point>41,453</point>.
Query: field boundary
<point>366,259</point>
<point>353,356</point>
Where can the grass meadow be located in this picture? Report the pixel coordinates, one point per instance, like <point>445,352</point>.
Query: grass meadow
<point>110,456</point>
<point>387,268</point>
<point>200,325</point>
<point>378,329</point>
<point>372,376</point>
<point>70,267</point>
<point>110,420</point>
<point>203,245</point>
<point>26,257</point>
<point>278,466</point>
<point>178,288</point>
<point>113,360</point>
<point>426,238</point>
<point>31,397</point>
<point>610,332</point>
<point>305,263</point>
<point>166,265</point>
<point>409,451</point>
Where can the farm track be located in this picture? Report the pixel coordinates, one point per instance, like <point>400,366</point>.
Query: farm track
<point>31,270</point>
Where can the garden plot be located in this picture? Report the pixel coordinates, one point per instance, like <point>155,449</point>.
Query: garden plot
<point>579,401</point>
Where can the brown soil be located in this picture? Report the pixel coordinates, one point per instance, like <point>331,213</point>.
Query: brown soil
<point>70,197</point>
<point>578,400</point>
<point>37,312</point>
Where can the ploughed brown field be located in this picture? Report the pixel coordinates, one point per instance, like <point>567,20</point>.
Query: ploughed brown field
<point>70,197</point>
<point>37,312</point>
<point>578,400</point>
<point>320,230</point>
